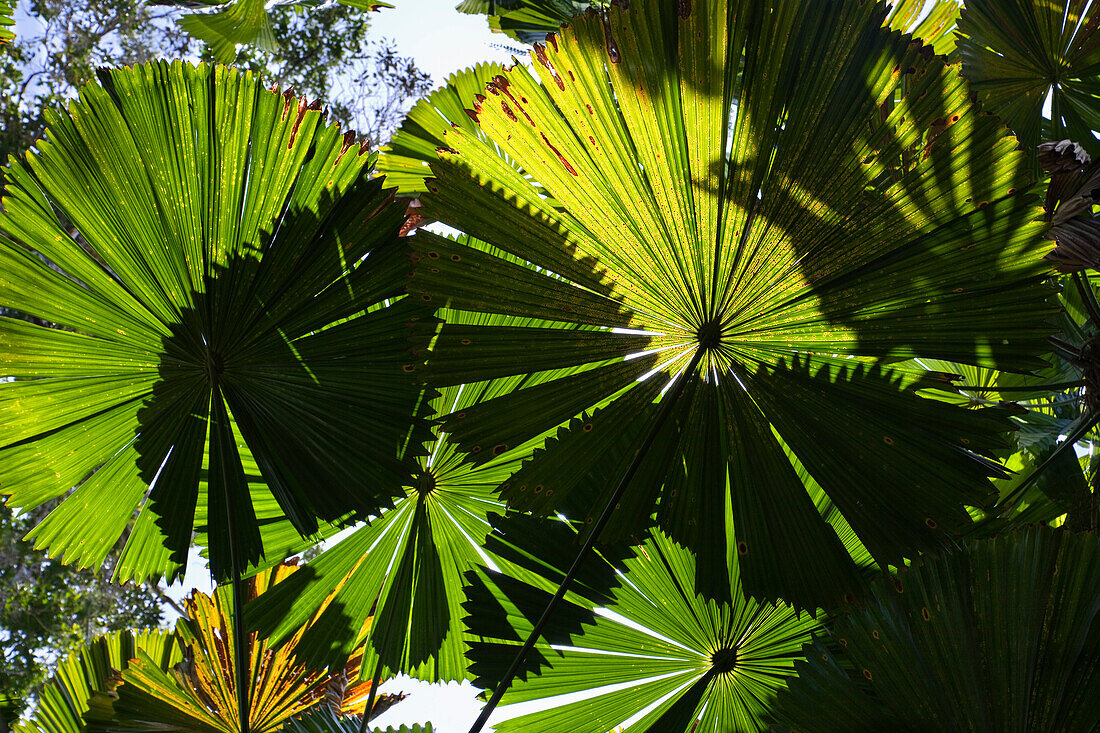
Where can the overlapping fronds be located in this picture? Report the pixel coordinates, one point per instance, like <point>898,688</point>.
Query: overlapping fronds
<point>408,564</point>
<point>199,692</point>
<point>404,161</point>
<point>670,660</point>
<point>795,192</point>
<point>1003,636</point>
<point>1016,53</point>
<point>63,704</point>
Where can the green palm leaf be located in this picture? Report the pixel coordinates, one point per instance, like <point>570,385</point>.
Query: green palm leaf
<point>64,702</point>
<point>677,662</point>
<point>245,22</point>
<point>408,564</point>
<point>1017,52</point>
<point>929,20</point>
<point>529,21</point>
<point>1000,637</point>
<point>6,22</point>
<point>404,161</point>
<point>216,259</point>
<point>860,208</point>
<point>199,694</point>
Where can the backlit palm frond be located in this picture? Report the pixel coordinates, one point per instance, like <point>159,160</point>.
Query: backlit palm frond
<point>653,654</point>
<point>1002,636</point>
<point>199,692</point>
<point>837,203</point>
<point>408,564</point>
<point>216,261</point>
<point>1016,53</point>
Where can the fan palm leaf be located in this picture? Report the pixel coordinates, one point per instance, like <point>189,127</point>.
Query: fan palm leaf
<point>217,262</point>
<point>198,693</point>
<point>1016,53</point>
<point>63,704</point>
<point>244,22</point>
<point>529,21</point>
<point>404,160</point>
<point>408,564</point>
<point>1003,636</point>
<point>853,205</point>
<point>6,22</point>
<point>669,659</point>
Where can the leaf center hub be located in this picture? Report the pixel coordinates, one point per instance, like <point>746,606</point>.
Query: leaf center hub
<point>724,660</point>
<point>425,483</point>
<point>709,335</point>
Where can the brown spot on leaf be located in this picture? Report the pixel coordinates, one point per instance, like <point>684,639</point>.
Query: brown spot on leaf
<point>931,522</point>
<point>867,674</point>
<point>499,448</point>
<point>609,40</point>
<point>409,368</point>
<point>557,152</point>
<point>925,614</point>
<point>742,548</point>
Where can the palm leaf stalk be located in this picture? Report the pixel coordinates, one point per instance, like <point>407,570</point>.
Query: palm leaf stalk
<point>668,402</point>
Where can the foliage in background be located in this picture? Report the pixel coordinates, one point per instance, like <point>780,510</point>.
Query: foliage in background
<point>47,609</point>
<point>324,53</point>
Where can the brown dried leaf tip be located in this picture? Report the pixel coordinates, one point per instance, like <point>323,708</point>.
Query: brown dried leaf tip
<point>1064,156</point>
